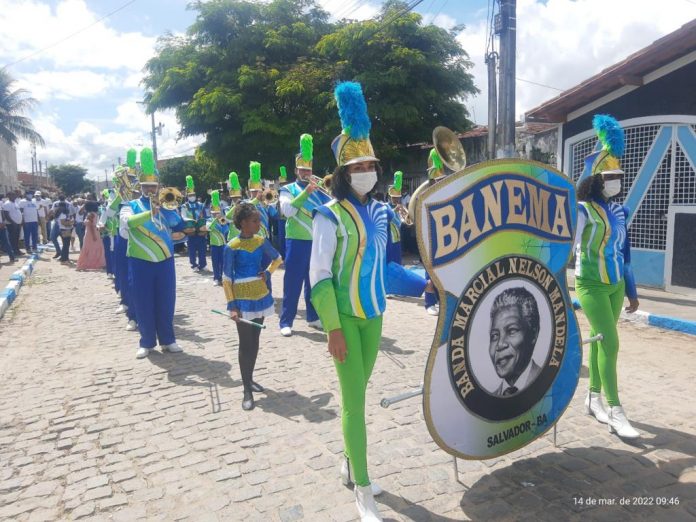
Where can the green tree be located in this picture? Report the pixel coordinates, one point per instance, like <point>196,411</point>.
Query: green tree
<point>254,76</point>
<point>71,179</point>
<point>205,173</point>
<point>13,104</point>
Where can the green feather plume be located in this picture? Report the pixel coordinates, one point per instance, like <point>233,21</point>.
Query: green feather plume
<point>189,184</point>
<point>234,181</point>
<point>283,172</point>
<point>306,147</point>
<point>147,161</point>
<point>435,159</point>
<point>398,180</point>
<point>215,199</point>
<point>105,193</point>
<point>131,158</point>
<point>255,172</point>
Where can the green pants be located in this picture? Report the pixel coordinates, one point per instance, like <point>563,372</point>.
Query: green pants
<point>602,304</point>
<point>362,341</point>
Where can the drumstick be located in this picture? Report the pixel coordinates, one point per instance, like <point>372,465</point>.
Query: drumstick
<point>252,323</point>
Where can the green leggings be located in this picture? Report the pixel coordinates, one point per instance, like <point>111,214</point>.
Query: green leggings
<point>602,304</point>
<point>362,341</point>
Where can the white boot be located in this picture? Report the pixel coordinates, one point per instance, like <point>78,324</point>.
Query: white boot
<point>618,423</point>
<point>367,508</point>
<point>347,479</point>
<point>131,326</point>
<point>595,407</point>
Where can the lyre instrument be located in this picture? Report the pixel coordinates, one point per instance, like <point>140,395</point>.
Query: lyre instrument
<point>126,183</point>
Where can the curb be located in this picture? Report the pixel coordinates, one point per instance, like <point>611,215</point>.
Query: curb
<point>17,279</point>
<point>658,321</point>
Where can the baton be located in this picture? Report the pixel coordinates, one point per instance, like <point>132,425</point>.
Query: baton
<point>246,321</point>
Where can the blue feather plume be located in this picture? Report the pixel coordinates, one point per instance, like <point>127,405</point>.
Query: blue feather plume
<point>352,110</point>
<point>610,133</point>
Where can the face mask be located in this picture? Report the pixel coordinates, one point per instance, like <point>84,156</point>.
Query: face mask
<point>611,188</point>
<point>192,199</point>
<point>363,182</point>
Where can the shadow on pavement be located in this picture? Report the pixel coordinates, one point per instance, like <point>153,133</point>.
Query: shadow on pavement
<point>289,404</point>
<point>183,368</point>
<point>412,511</point>
<point>550,486</point>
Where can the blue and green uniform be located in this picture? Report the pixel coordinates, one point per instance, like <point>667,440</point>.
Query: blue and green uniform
<point>150,250</point>
<point>297,205</point>
<point>348,272</point>
<point>603,276</point>
<point>217,232</point>
<point>194,216</point>
<point>232,231</point>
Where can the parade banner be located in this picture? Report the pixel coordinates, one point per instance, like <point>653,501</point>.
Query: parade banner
<point>496,239</point>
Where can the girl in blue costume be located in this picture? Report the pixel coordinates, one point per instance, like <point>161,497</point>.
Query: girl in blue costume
<point>248,262</point>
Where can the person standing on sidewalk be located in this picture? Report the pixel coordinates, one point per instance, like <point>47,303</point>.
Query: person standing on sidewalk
<point>12,218</point>
<point>150,250</point>
<point>603,272</point>
<point>297,203</point>
<point>30,216</point>
<point>65,222</point>
<point>4,240</point>
<point>43,205</point>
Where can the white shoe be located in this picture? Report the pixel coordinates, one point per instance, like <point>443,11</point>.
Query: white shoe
<point>110,276</point>
<point>618,423</point>
<point>131,326</point>
<point>142,353</point>
<point>347,480</point>
<point>286,331</point>
<point>595,407</point>
<point>367,508</point>
<point>316,324</point>
<point>172,348</point>
<point>216,282</point>
<point>433,310</point>
<point>122,309</point>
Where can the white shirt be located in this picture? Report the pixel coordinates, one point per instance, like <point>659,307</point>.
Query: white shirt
<point>60,217</point>
<point>79,218</point>
<point>30,210</point>
<point>286,208</point>
<point>324,244</point>
<point>13,210</point>
<point>44,205</point>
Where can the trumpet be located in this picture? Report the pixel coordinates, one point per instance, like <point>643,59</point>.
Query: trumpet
<point>403,214</point>
<point>324,183</point>
<point>269,197</point>
<point>222,220</point>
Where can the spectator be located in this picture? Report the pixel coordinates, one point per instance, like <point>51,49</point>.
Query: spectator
<point>30,216</point>
<point>4,241</point>
<point>12,218</point>
<point>79,216</point>
<point>61,203</point>
<point>43,205</point>
<point>65,222</point>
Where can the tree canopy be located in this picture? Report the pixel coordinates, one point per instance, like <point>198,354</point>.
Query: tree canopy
<point>254,76</point>
<point>71,179</point>
<point>13,104</point>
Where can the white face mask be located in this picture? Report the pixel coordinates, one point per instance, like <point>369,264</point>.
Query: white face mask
<point>612,187</point>
<point>192,199</point>
<point>363,182</point>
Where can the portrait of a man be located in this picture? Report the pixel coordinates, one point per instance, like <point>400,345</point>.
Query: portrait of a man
<point>513,335</point>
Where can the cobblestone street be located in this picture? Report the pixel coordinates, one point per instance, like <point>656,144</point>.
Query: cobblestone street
<point>87,431</point>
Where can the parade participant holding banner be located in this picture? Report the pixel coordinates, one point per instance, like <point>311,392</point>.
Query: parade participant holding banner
<point>193,213</point>
<point>249,261</point>
<point>217,232</point>
<point>297,203</point>
<point>235,198</point>
<point>150,251</point>
<point>603,270</point>
<point>348,268</point>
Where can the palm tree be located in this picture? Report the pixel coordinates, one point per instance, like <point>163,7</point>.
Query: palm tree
<point>13,104</point>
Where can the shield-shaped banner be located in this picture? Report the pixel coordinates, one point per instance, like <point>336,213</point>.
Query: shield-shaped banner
<point>495,239</point>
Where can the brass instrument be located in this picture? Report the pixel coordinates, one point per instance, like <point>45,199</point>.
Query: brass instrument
<point>169,198</point>
<point>403,214</point>
<point>269,197</point>
<point>222,220</point>
<point>126,183</point>
<point>452,154</point>
<point>324,183</point>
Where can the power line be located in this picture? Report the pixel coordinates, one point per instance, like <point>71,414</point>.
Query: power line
<point>38,51</point>
<point>539,84</point>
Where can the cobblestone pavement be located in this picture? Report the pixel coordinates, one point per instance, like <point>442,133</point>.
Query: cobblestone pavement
<point>88,431</point>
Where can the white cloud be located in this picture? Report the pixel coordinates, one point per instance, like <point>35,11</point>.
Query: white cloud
<point>561,43</point>
<point>64,85</point>
<point>353,10</point>
<point>29,26</point>
<point>440,19</point>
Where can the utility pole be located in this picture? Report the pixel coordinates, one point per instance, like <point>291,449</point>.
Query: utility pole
<point>491,59</point>
<point>155,131</point>
<point>506,107</point>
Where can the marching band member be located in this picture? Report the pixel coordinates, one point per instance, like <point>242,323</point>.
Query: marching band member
<point>603,272</point>
<point>235,198</point>
<point>249,261</point>
<point>150,250</point>
<point>108,228</point>
<point>194,214</point>
<point>282,181</point>
<point>436,172</point>
<point>297,203</point>
<point>394,192</point>
<point>255,190</point>
<point>348,268</point>
<point>217,232</point>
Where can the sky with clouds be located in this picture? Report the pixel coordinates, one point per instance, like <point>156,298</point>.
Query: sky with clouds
<point>88,84</point>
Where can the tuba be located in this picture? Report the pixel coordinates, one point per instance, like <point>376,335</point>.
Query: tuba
<point>169,198</point>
